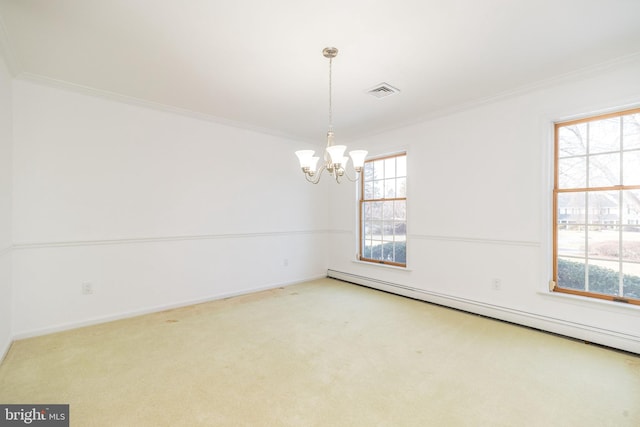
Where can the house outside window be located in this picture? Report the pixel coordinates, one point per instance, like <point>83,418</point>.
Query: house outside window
<point>597,179</point>
<point>383,211</point>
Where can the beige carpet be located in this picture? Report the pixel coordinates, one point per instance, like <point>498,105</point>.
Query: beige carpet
<point>323,353</point>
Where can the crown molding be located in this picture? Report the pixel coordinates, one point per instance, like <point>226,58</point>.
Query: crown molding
<point>139,102</point>
<point>579,74</point>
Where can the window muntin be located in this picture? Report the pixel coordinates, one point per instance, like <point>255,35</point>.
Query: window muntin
<point>383,210</point>
<point>597,207</point>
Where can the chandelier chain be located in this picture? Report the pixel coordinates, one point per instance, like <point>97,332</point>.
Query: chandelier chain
<point>330,96</point>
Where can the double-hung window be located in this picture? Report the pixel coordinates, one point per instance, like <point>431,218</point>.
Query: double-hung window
<point>383,211</point>
<point>597,207</point>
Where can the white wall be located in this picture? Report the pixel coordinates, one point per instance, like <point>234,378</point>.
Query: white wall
<point>5,208</point>
<point>479,208</point>
<point>153,209</point>
<point>147,206</point>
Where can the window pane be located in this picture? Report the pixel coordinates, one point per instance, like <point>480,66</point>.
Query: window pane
<point>376,230</point>
<point>572,140</point>
<point>368,190</point>
<point>366,211</point>
<point>631,246</point>
<point>401,187</point>
<point>400,252</point>
<point>631,210</point>
<point>378,169</point>
<point>631,131</point>
<point>603,208</point>
<point>631,167</point>
<point>400,210</point>
<point>401,166</point>
<point>378,189</point>
<point>387,230</point>
<point>390,168</point>
<point>387,211</point>
<point>367,181</point>
<point>604,135</point>
<point>387,252</point>
<point>368,171</point>
<point>373,250</point>
<point>366,248</point>
<point>390,188</point>
<point>367,229</point>
<point>604,244</point>
<point>572,208</point>
<point>604,277</point>
<point>631,280</point>
<point>572,173</point>
<point>376,210</point>
<point>571,273</point>
<point>604,170</point>
<point>572,243</point>
<point>400,227</point>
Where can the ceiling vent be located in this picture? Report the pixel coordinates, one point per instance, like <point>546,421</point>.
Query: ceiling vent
<point>382,90</point>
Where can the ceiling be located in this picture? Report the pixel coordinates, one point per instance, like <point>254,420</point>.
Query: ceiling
<point>259,64</point>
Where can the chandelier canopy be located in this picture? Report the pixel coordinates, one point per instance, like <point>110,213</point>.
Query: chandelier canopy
<point>335,162</point>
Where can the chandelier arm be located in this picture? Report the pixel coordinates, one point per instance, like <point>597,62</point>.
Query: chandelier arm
<point>355,179</point>
<point>351,179</point>
<point>313,181</point>
<point>318,175</point>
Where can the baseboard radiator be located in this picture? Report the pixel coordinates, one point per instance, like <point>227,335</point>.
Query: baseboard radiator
<point>586,333</point>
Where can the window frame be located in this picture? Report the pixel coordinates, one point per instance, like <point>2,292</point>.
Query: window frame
<point>362,201</point>
<point>586,190</point>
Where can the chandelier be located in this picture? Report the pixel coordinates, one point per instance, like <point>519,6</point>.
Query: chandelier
<point>335,162</point>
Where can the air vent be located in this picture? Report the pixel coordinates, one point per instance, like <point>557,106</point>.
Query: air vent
<point>382,90</point>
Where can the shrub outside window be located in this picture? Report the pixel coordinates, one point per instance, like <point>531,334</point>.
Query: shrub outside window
<point>383,211</point>
<point>597,207</point>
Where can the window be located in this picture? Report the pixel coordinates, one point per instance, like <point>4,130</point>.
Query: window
<point>383,211</point>
<point>597,178</point>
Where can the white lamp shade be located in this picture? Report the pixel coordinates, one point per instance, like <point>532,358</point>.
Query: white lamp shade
<point>305,157</point>
<point>357,157</point>
<point>336,152</point>
<point>314,164</point>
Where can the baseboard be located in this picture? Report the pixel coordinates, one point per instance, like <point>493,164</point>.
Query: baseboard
<point>154,309</point>
<point>582,332</point>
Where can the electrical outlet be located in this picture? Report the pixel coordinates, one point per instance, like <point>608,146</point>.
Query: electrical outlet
<point>87,288</point>
<point>496,284</point>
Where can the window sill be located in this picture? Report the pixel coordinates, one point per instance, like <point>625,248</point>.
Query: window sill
<point>378,265</point>
<point>590,301</point>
